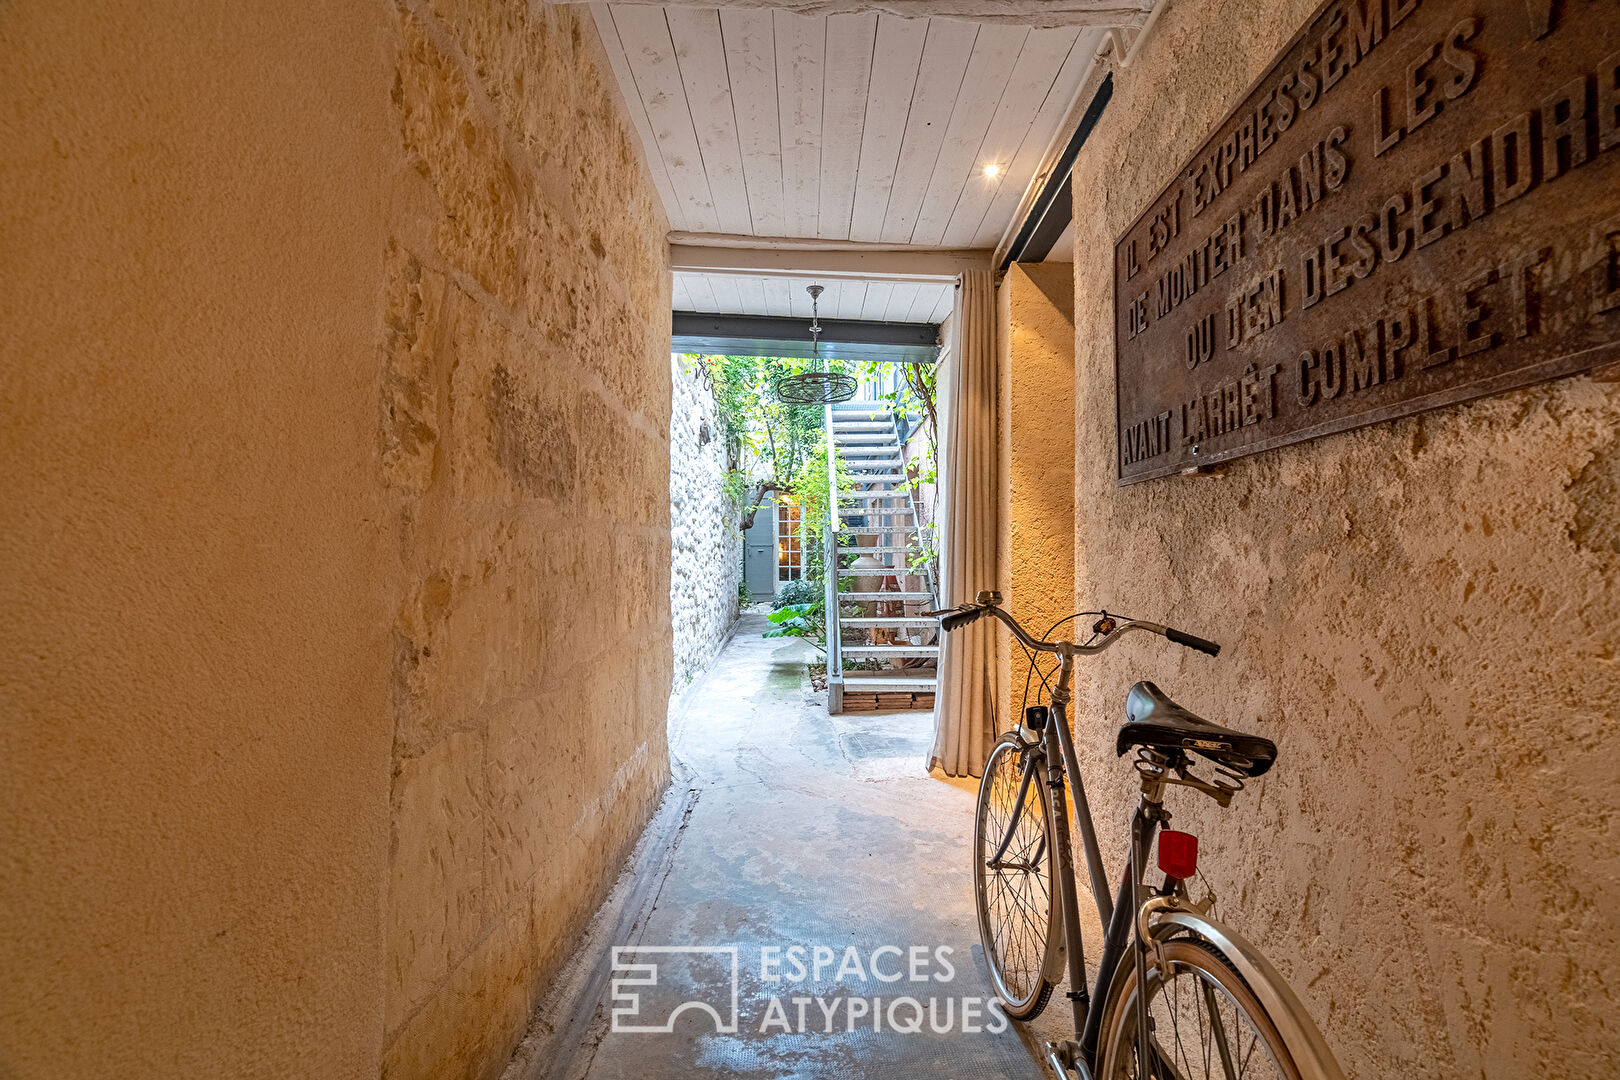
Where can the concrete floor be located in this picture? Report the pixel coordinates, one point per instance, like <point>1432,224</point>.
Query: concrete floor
<point>801,830</point>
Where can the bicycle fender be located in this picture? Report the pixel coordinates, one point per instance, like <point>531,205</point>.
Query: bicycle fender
<point>1294,1023</point>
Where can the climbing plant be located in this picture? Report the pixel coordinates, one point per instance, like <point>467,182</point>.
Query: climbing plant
<point>809,489</point>
<point>773,444</point>
<point>777,447</point>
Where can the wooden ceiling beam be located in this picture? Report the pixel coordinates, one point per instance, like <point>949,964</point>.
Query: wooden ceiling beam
<point>1031,13</point>
<point>855,262</point>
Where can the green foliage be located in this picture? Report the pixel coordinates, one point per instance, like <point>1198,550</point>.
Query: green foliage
<point>773,436</point>
<point>806,621</point>
<point>924,464</point>
<point>775,443</point>
<point>735,486</point>
<point>916,397</point>
<point>811,493</point>
<point>917,393</point>
<point>776,446</point>
<point>803,591</point>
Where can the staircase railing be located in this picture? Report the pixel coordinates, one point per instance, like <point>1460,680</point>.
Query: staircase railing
<point>835,636</point>
<point>902,428</point>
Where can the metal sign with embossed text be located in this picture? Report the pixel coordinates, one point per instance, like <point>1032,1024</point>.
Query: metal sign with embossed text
<point>1419,203</point>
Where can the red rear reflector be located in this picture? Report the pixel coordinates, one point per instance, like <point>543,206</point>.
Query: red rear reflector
<point>1178,853</point>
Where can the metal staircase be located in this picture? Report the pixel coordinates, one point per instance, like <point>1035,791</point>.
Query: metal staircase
<point>877,502</point>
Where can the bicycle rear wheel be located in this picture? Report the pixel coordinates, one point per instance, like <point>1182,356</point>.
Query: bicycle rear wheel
<point>1203,1019</point>
<point>1018,904</point>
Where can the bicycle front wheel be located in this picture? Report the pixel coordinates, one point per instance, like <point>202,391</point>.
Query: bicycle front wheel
<point>1203,1022</point>
<point>1018,905</point>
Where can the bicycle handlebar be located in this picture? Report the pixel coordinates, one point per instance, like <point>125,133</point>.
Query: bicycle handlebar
<point>1181,637</point>
<point>990,604</point>
<point>962,618</point>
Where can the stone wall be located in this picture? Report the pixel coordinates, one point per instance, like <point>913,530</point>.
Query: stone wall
<point>706,539</point>
<point>335,406</point>
<point>1422,613</point>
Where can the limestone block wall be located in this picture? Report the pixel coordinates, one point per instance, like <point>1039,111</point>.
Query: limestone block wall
<point>1036,432</point>
<point>334,397</point>
<point>1422,613</point>
<point>706,539</point>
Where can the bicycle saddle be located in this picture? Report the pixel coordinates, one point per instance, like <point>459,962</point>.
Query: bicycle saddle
<point>1151,719</point>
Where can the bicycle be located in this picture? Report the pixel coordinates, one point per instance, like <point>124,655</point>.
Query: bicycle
<point>1199,973</point>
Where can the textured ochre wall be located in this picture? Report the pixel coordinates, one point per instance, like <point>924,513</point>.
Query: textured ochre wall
<point>1422,613</point>
<point>1037,458</point>
<point>334,393</point>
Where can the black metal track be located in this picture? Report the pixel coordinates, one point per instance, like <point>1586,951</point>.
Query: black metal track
<point>774,335</point>
<point>1054,205</point>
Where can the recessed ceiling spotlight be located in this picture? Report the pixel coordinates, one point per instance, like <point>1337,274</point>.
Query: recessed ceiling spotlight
<point>992,171</point>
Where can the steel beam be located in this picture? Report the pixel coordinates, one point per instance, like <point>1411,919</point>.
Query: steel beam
<point>772,335</point>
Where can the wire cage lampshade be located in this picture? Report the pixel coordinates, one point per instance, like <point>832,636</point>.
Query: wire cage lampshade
<point>815,387</point>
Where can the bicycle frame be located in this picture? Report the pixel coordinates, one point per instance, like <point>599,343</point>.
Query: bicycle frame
<point>1136,914</point>
<point>1116,914</point>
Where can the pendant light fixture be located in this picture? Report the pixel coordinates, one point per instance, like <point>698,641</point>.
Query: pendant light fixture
<point>816,386</point>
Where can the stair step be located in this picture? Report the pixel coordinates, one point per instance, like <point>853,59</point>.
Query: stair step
<point>914,680</point>
<point>894,622</point>
<point>889,652</point>
<point>856,438</point>
<point>877,571</point>
<point>885,550</point>
<point>879,478</point>
<point>873,530</point>
<point>841,427</point>
<point>863,596</point>
<point>891,493</point>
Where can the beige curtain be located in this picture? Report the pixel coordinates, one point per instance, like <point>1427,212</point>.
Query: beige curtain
<point>969,505</point>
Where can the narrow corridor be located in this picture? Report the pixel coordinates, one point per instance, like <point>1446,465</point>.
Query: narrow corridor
<point>824,833</point>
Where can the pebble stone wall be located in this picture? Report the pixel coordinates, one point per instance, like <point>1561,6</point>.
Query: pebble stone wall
<point>706,539</point>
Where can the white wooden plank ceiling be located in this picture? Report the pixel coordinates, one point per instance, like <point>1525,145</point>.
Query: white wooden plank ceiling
<point>856,126</point>
<point>1014,12</point>
<point>886,301</point>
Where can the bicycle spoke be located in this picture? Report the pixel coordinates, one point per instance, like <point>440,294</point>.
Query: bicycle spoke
<point>1163,1065</point>
<point>1016,888</point>
<point>1210,1037</point>
<point>1218,1030</point>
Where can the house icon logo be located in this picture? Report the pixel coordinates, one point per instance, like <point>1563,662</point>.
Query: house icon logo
<point>706,974</point>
